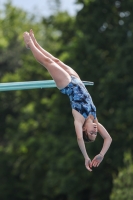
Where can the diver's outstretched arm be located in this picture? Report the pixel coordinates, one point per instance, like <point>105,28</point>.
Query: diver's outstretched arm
<point>78,128</point>
<point>106,144</point>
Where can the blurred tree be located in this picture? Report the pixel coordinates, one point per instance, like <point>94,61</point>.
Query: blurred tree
<point>123,184</point>
<point>40,158</point>
<point>34,159</point>
<point>102,53</point>
<point>22,117</point>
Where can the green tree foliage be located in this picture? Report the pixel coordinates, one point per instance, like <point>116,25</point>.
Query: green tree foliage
<point>102,53</point>
<point>23,122</point>
<point>123,184</point>
<point>39,155</point>
<point>100,50</point>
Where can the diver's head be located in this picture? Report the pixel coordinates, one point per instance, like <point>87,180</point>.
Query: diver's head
<point>89,131</point>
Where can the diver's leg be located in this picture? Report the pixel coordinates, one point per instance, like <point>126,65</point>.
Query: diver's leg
<point>68,69</point>
<point>60,76</point>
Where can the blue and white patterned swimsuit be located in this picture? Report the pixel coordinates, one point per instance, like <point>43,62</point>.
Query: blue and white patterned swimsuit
<point>79,97</point>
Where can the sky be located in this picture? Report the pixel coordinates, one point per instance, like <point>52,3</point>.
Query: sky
<point>42,7</point>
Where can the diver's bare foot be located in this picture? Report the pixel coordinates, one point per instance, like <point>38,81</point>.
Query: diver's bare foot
<point>31,33</point>
<point>27,39</point>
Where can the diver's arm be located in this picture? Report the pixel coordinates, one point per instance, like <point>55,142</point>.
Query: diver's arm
<point>78,129</point>
<point>106,144</point>
<point>107,139</point>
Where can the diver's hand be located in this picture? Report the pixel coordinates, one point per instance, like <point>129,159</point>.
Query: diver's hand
<point>96,160</point>
<point>87,164</point>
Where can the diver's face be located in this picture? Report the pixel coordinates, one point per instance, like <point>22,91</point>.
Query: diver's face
<point>91,130</point>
